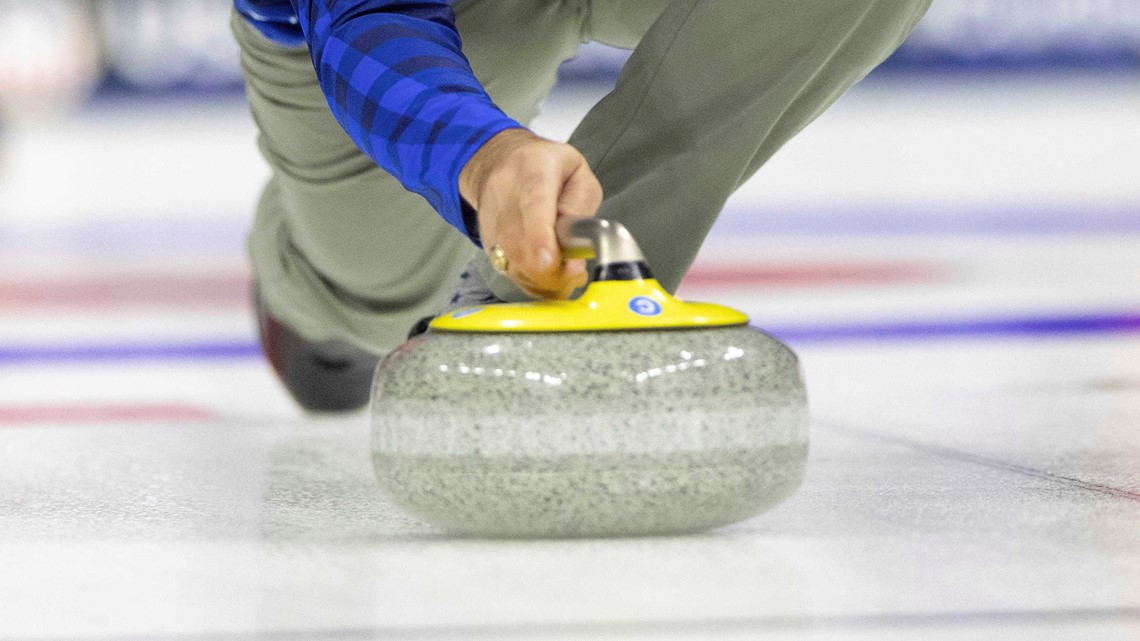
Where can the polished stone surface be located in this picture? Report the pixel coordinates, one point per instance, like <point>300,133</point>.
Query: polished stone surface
<point>589,433</point>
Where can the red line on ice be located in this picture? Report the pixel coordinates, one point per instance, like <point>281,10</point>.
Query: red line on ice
<point>126,291</point>
<point>810,274</point>
<point>102,413</point>
<point>231,290</point>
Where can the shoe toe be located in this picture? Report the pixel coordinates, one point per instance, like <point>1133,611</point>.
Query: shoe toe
<point>321,376</point>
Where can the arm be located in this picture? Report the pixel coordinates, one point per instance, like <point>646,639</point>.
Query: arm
<point>397,82</point>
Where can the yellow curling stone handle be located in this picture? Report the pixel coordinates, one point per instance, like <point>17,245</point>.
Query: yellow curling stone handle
<point>622,296</point>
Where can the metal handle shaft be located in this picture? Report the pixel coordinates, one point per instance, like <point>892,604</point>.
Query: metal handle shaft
<point>607,241</point>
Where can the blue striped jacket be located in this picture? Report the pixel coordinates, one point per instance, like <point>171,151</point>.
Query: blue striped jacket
<point>395,79</point>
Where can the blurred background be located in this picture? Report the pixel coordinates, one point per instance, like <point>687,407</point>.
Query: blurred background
<point>953,250</point>
<point>70,65</point>
<point>999,148</point>
<point>62,52</point>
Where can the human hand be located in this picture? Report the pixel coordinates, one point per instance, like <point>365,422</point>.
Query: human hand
<point>520,183</point>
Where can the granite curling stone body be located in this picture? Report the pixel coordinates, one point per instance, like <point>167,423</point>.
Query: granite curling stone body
<point>624,412</point>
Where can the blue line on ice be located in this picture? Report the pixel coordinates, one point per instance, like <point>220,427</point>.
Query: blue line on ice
<point>244,349</point>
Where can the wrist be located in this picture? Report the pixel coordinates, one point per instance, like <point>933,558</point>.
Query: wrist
<point>475,171</point>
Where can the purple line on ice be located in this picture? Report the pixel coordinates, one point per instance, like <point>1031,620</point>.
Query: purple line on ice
<point>224,233</point>
<point>964,328</point>
<point>208,350</point>
<point>243,349</point>
<point>925,220</point>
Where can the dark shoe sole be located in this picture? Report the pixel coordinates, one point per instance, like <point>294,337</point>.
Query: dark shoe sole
<point>321,376</point>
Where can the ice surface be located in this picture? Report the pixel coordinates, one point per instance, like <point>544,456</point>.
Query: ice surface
<point>976,399</point>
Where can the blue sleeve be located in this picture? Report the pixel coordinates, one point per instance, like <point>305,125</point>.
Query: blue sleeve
<point>275,19</point>
<point>395,79</point>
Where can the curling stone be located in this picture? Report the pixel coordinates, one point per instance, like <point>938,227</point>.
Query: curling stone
<point>624,412</point>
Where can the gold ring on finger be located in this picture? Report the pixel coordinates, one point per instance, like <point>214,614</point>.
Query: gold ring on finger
<point>499,259</point>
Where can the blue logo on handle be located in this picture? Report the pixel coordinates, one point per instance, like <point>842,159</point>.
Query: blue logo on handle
<point>644,306</point>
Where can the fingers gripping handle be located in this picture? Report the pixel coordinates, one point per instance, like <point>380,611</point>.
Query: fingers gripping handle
<point>606,241</point>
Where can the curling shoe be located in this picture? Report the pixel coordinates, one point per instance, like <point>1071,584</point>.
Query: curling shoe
<point>322,376</point>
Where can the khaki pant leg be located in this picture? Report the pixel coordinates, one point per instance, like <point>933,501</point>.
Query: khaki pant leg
<point>339,247</point>
<point>713,89</point>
